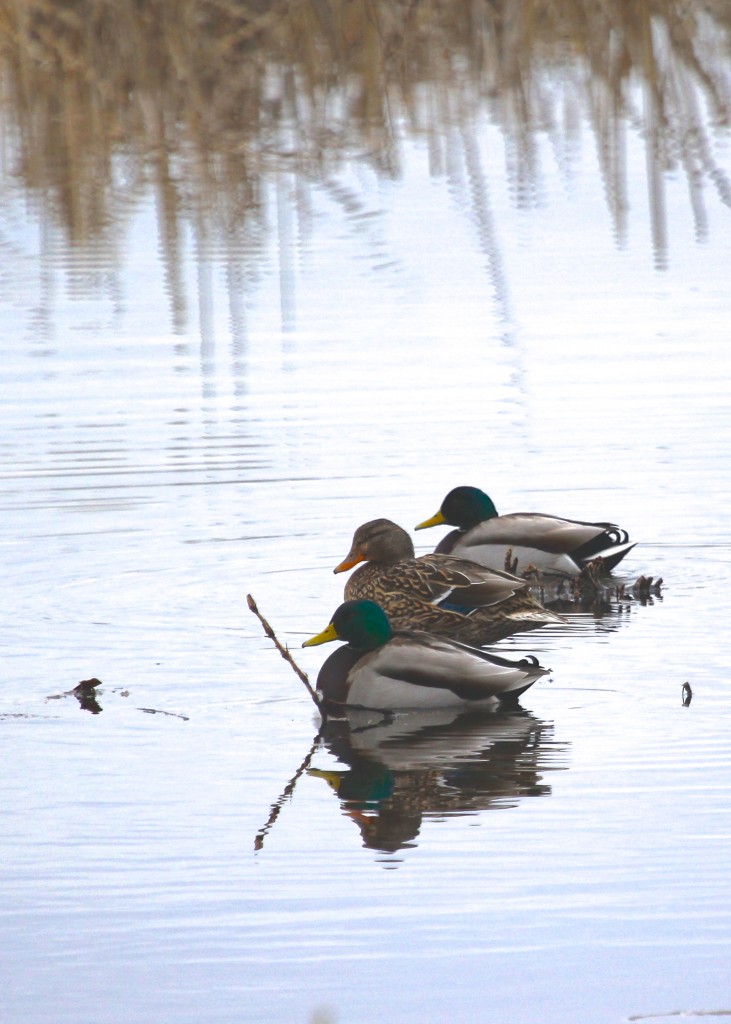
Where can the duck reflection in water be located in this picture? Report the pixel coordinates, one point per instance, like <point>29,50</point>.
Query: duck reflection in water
<point>404,769</point>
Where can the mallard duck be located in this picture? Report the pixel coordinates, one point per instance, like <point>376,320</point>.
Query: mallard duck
<point>439,593</point>
<point>546,543</point>
<point>383,669</point>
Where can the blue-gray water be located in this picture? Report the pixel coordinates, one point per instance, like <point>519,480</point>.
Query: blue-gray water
<point>386,338</point>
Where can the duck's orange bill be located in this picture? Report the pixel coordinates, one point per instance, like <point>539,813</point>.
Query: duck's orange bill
<point>348,562</point>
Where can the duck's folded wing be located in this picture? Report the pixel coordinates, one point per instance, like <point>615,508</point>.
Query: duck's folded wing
<point>470,673</point>
<point>464,583</point>
<point>545,532</point>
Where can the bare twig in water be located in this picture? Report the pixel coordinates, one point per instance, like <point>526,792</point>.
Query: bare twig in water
<point>171,714</point>
<point>285,653</point>
<point>284,796</point>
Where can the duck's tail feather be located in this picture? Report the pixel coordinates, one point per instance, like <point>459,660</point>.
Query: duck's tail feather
<point>612,556</point>
<point>612,544</point>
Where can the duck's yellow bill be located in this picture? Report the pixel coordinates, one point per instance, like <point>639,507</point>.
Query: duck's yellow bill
<point>436,520</point>
<point>333,779</point>
<point>322,638</point>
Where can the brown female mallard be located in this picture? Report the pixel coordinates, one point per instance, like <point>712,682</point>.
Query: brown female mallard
<point>438,593</point>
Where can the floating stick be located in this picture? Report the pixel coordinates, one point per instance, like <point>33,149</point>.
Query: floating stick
<point>285,653</point>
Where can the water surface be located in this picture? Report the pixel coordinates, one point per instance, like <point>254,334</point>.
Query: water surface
<point>214,370</point>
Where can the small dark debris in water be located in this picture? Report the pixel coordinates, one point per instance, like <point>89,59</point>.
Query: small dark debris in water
<point>592,581</point>
<point>594,590</point>
<point>85,693</point>
<point>687,695</point>
<point>86,686</point>
<point>646,587</point>
<point>171,714</point>
<point>685,1014</point>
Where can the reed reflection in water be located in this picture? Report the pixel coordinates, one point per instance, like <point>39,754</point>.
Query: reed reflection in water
<point>232,114</point>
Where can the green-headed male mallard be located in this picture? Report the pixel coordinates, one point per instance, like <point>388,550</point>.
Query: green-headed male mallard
<point>547,543</point>
<point>439,593</point>
<point>391,670</point>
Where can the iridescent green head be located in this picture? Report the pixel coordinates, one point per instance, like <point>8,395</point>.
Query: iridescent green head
<point>464,507</point>
<point>364,625</point>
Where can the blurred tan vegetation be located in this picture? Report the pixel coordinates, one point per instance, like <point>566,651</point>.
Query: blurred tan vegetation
<point>204,100</point>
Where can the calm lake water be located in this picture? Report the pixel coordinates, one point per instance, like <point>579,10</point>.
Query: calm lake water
<point>537,305</point>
